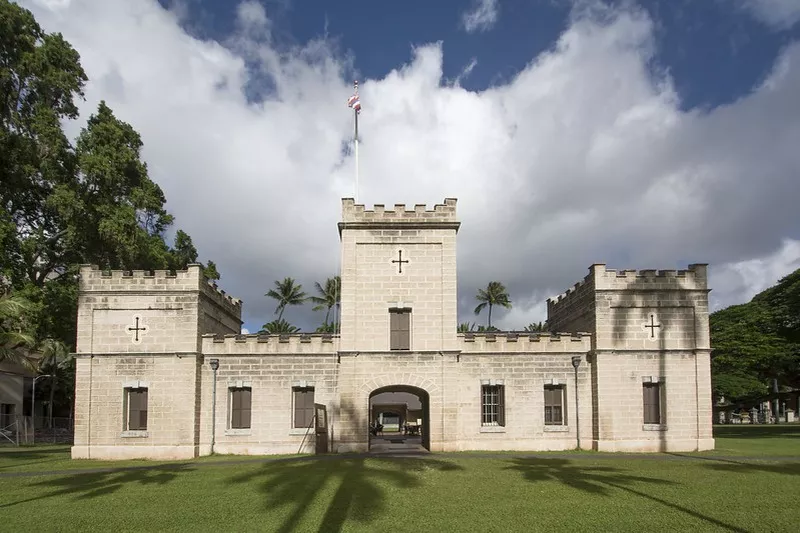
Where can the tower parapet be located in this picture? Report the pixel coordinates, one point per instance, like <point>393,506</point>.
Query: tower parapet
<point>93,280</point>
<point>357,215</point>
<point>695,277</point>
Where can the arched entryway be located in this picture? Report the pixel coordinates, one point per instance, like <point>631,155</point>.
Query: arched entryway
<point>402,413</point>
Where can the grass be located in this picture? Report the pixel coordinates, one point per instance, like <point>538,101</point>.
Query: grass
<point>757,440</point>
<point>444,492</point>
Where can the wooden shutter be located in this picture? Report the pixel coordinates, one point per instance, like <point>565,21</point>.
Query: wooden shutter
<point>303,407</point>
<point>553,405</point>
<point>501,405</point>
<point>247,396</point>
<point>394,330</point>
<point>137,409</point>
<point>399,329</point>
<point>240,409</point>
<point>652,404</point>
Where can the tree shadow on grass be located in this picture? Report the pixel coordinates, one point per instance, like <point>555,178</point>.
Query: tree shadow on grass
<point>32,454</point>
<point>360,486</point>
<point>92,485</point>
<point>739,467</point>
<point>601,480</point>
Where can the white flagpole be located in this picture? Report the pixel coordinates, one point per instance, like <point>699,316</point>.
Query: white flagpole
<point>356,139</point>
<point>356,106</point>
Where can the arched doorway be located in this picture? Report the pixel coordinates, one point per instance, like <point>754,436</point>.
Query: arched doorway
<point>402,412</point>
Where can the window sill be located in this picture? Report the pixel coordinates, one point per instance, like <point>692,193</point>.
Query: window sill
<point>134,434</point>
<point>301,431</point>
<point>556,429</point>
<point>493,429</point>
<point>238,432</point>
<point>654,427</point>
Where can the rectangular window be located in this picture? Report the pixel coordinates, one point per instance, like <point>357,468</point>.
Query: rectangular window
<point>241,398</point>
<point>493,405</point>
<point>652,403</point>
<point>554,405</point>
<point>137,409</point>
<point>400,329</point>
<point>303,406</point>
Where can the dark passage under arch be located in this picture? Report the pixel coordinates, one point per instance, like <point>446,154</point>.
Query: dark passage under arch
<point>402,413</point>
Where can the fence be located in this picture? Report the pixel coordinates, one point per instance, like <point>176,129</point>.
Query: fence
<point>17,430</point>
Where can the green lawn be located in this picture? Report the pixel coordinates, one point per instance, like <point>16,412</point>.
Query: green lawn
<point>441,492</point>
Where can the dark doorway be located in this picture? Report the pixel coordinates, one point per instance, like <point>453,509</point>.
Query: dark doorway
<point>399,419</point>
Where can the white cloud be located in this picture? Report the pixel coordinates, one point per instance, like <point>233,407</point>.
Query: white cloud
<point>584,157</point>
<point>741,280</point>
<point>481,16</point>
<point>251,14</point>
<point>779,14</point>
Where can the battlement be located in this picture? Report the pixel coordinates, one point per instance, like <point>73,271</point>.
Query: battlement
<point>233,305</point>
<point>93,279</point>
<point>261,344</point>
<point>695,277</point>
<point>574,308</point>
<point>357,213</point>
<point>524,342</point>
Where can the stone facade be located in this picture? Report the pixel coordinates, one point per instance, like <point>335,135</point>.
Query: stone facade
<point>147,342</point>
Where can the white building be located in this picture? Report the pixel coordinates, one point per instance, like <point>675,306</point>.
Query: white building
<point>145,384</point>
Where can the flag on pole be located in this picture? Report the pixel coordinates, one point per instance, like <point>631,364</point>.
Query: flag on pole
<point>354,101</point>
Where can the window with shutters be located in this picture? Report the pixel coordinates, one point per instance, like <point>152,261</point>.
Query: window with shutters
<point>399,329</point>
<point>240,402</point>
<point>493,405</point>
<point>652,403</point>
<point>554,405</point>
<point>303,406</point>
<point>136,412</point>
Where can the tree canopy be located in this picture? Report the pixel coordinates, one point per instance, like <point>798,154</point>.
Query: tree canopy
<point>67,202</point>
<point>756,342</point>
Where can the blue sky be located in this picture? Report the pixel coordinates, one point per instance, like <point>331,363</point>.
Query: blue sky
<point>715,50</point>
<point>640,134</point>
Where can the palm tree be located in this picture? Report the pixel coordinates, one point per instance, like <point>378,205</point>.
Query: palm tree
<point>287,293</point>
<point>328,328</point>
<point>15,346</point>
<point>494,294</point>
<point>329,296</point>
<point>535,327</point>
<point>466,327</point>
<point>279,326</point>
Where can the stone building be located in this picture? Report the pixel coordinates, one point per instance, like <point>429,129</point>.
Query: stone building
<point>163,371</point>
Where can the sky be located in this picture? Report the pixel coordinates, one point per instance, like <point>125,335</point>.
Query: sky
<point>639,134</point>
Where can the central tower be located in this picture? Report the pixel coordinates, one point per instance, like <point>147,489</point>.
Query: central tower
<point>398,278</point>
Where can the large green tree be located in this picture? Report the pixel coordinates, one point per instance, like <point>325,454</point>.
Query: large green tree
<point>121,215</point>
<point>63,205</point>
<point>494,294</point>
<point>757,342</point>
<point>40,78</point>
<point>184,253</point>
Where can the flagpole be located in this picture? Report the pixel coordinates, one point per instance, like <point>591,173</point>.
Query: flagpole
<point>355,113</point>
<point>355,103</point>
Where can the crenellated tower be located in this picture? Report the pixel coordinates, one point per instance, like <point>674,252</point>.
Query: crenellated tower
<point>398,277</point>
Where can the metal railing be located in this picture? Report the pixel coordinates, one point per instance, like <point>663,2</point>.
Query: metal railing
<point>19,430</point>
